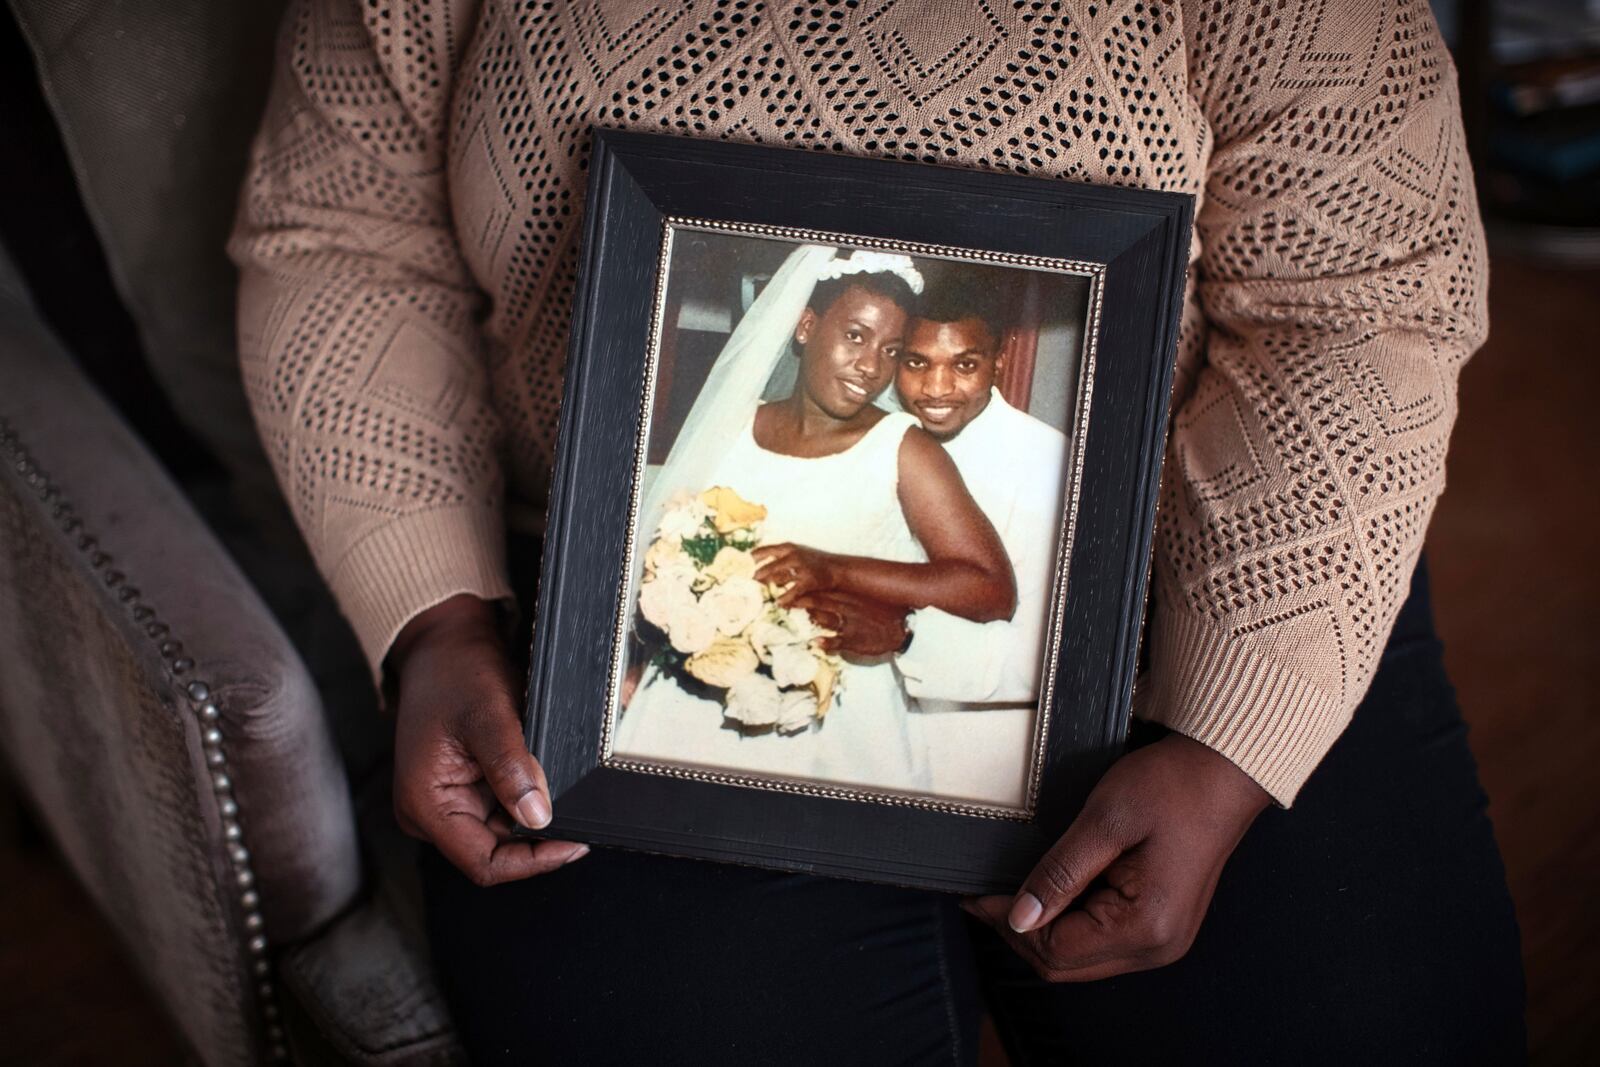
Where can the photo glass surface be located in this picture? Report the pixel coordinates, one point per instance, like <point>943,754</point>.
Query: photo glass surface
<point>839,435</point>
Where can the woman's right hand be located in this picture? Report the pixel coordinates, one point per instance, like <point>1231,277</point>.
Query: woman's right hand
<point>460,764</point>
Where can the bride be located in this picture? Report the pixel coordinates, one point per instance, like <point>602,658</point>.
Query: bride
<point>858,499</point>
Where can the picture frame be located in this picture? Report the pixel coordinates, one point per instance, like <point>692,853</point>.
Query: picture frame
<point>647,195</point>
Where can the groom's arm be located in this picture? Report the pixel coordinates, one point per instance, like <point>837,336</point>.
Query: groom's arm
<point>970,662</point>
<point>951,658</point>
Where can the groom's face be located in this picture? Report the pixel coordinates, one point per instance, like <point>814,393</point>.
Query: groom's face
<point>946,372</point>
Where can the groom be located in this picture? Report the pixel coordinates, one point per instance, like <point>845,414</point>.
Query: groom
<point>977,683</point>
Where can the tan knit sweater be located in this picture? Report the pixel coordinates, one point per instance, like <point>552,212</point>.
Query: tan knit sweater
<point>410,228</point>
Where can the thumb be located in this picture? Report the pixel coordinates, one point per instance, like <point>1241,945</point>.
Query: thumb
<point>1090,845</point>
<point>494,740</point>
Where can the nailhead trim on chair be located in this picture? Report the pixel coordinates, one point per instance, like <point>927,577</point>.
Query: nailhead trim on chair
<point>201,702</point>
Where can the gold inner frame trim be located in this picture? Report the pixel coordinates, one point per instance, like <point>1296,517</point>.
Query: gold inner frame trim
<point>1094,272</point>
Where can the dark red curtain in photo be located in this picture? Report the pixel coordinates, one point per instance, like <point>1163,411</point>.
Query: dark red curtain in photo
<point>1020,347</point>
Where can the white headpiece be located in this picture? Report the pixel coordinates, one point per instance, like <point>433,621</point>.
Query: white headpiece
<point>864,261</point>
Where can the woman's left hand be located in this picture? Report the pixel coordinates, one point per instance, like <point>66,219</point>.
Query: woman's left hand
<point>800,569</point>
<point>1128,883</point>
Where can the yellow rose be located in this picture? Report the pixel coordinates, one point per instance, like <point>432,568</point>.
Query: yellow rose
<point>724,663</point>
<point>730,511</point>
<point>731,562</point>
<point>827,677</point>
<point>665,554</point>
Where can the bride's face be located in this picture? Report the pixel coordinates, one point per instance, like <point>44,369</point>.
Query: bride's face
<point>848,352</point>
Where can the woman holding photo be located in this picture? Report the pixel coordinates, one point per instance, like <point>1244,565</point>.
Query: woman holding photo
<point>858,500</point>
<point>1296,866</point>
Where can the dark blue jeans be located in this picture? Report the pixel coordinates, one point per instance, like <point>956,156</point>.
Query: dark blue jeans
<point>1371,922</point>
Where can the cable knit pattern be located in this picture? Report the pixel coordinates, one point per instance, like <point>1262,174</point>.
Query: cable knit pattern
<point>409,238</point>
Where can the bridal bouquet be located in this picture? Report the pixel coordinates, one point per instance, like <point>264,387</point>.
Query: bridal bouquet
<point>720,630</point>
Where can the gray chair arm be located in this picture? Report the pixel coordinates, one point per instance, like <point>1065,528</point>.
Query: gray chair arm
<point>154,712</point>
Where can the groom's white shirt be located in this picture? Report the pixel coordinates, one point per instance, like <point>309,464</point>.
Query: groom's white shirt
<point>977,683</point>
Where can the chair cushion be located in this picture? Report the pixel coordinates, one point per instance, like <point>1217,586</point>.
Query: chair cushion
<point>362,993</point>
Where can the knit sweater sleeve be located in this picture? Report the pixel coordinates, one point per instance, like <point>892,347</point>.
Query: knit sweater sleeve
<point>1342,279</point>
<point>358,339</point>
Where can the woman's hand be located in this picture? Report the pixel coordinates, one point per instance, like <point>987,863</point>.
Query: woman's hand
<point>862,628</point>
<point>1139,865</point>
<point>803,570</point>
<point>460,763</point>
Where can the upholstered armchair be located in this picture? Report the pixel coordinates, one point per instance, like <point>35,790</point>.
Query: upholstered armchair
<point>224,804</point>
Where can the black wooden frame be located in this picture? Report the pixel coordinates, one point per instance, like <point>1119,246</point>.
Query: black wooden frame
<point>637,182</point>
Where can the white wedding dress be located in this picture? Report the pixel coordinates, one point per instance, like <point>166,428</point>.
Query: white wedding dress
<point>846,503</point>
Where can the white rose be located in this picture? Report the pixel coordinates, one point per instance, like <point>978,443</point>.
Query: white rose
<point>661,598</point>
<point>686,518</point>
<point>793,665</point>
<point>690,627</point>
<point>764,634</point>
<point>798,712</point>
<point>799,622</point>
<point>754,700</point>
<point>734,604</point>
<point>775,629</point>
<point>680,574</point>
<point>747,538</point>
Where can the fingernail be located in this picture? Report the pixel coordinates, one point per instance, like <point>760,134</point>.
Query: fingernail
<point>576,854</point>
<point>533,810</point>
<point>1025,913</point>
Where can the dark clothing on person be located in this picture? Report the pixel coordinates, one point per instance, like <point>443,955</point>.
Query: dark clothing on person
<point>1369,923</point>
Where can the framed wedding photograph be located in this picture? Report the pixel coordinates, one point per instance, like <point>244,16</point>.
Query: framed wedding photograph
<point>851,515</point>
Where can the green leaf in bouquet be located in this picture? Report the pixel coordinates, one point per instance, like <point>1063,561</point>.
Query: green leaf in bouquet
<point>702,548</point>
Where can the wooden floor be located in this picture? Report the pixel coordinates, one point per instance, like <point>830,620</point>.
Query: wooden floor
<point>1516,568</point>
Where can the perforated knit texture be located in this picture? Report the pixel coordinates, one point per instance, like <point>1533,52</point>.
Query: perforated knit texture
<point>409,238</point>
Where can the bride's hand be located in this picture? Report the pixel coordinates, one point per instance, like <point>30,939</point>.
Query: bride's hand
<point>798,569</point>
<point>862,628</point>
